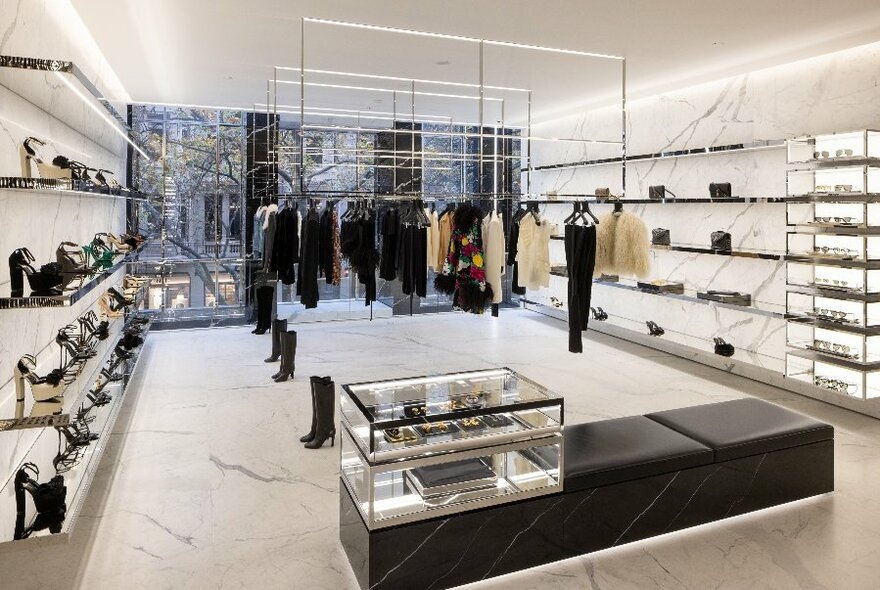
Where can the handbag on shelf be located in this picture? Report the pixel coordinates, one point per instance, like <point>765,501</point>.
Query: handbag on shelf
<point>656,192</point>
<point>721,241</point>
<point>603,192</point>
<point>720,190</point>
<point>730,297</point>
<point>660,236</point>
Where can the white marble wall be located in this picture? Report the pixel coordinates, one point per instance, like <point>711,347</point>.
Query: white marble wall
<point>38,104</point>
<point>836,92</point>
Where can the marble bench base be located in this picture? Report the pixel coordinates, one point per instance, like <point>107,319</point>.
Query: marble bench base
<point>471,546</point>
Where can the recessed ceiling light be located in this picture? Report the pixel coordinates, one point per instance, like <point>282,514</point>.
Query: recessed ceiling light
<point>443,62</point>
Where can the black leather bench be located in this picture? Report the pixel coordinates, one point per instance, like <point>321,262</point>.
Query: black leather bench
<point>625,480</point>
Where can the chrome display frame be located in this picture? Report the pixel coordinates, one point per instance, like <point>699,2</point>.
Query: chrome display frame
<point>428,454</point>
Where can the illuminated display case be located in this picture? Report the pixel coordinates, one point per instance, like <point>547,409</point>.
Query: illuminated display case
<point>417,448</point>
<point>833,270</point>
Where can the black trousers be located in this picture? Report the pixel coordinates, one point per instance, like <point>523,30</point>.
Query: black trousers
<point>580,260</point>
<point>415,260</point>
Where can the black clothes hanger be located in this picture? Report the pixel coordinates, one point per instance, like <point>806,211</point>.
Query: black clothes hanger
<point>575,210</point>
<point>586,209</point>
<point>618,209</point>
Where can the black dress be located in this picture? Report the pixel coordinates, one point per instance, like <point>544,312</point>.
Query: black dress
<point>325,244</point>
<point>388,260</point>
<point>307,286</point>
<point>285,247</point>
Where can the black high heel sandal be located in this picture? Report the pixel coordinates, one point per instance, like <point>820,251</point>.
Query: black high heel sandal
<point>654,329</point>
<point>599,314</point>
<point>50,500</point>
<point>73,263</point>
<point>121,299</point>
<point>46,281</point>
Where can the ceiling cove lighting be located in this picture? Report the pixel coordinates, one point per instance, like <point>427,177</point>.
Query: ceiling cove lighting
<point>338,23</point>
<point>101,113</point>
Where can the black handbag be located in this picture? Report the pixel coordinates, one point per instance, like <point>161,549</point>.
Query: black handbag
<point>723,348</point>
<point>660,236</point>
<point>721,241</point>
<point>656,192</point>
<point>720,190</point>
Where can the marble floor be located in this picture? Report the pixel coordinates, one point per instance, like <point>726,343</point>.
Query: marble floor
<point>205,485</point>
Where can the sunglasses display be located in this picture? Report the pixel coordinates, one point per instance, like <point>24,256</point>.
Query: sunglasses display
<point>836,385</point>
<point>841,350</point>
<point>834,251</point>
<point>849,220</point>
<point>831,315</point>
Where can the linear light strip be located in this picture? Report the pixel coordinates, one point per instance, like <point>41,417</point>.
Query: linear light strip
<point>338,23</point>
<point>399,79</point>
<point>388,90</point>
<point>113,124</point>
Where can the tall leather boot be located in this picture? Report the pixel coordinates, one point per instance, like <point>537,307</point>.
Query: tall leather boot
<point>288,356</point>
<point>311,435</point>
<point>278,326</point>
<point>264,309</point>
<point>325,411</point>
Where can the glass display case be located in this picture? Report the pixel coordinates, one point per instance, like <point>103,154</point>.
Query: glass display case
<point>417,448</point>
<point>835,147</point>
<point>833,308</point>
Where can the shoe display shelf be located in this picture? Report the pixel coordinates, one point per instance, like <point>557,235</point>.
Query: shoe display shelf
<point>70,296</point>
<point>50,442</point>
<point>66,187</point>
<point>833,269</point>
<point>425,447</point>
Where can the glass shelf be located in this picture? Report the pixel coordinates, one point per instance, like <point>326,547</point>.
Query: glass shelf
<point>840,182</point>
<point>79,477</point>
<point>835,148</point>
<point>689,295</point>
<point>64,187</point>
<point>68,298</point>
<point>832,376</point>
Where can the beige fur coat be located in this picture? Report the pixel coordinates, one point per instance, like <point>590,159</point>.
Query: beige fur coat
<point>622,246</point>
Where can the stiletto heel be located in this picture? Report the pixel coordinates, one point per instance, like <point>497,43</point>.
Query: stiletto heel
<point>73,263</point>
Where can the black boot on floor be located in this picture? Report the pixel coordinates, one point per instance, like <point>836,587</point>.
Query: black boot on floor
<point>264,309</point>
<point>311,435</point>
<point>288,356</point>
<point>278,326</point>
<point>325,413</point>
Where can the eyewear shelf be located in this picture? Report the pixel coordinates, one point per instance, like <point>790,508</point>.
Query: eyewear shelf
<point>835,148</point>
<point>847,181</point>
<point>831,376</point>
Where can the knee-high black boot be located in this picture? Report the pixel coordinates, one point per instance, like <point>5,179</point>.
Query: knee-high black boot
<point>311,435</point>
<point>278,326</point>
<point>325,413</point>
<point>288,356</point>
<point>264,309</point>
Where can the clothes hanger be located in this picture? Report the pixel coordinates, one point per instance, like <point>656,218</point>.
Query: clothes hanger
<point>575,209</point>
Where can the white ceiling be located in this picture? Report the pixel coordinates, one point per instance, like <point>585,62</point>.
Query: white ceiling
<point>221,52</point>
